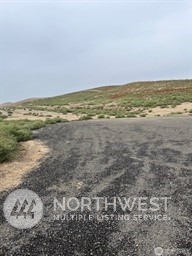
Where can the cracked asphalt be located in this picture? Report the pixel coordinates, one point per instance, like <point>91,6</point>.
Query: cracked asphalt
<point>147,157</point>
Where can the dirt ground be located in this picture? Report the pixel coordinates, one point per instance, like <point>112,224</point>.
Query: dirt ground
<point>22,114</point>
<point>29,156</point>
<point>184,108</point>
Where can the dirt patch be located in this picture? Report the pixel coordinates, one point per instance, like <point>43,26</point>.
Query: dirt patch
<point>183,108</point>
<point>29,156</point>
<point>39,115</point>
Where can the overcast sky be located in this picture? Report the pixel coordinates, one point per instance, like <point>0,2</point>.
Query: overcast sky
<point>55,47</point>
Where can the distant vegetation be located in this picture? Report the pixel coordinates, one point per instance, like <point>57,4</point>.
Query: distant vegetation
<point>118,100</point>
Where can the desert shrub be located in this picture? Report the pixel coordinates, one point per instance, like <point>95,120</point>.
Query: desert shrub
<point>63,111</point>
<point>151,103</point>
<point>27,114</point>
<point>50,121</point>
<point>101,116</point>
<point>190,111</point>
<point>21,134</point>
<point>120,116</point>
<point>85,118</point>
<point>8,144</point>
<point>143,115</point>
<point>91,114</point>
<point>55,120</point>
<point>35,125</point>
<point>24,135</point>
<point>164,106</point>
<point>3,116</point>
<point>58,120</point>
<point>131,115</point>
<point>65,120</point>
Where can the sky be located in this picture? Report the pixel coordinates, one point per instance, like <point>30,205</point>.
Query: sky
<point>51,48</point>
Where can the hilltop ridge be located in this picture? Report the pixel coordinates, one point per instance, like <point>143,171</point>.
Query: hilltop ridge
<point>136,99</point>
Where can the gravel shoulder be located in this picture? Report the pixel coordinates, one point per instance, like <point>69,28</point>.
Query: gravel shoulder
<point>146,157</point>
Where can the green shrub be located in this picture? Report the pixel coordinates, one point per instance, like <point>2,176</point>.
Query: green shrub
<point>131,115</point>
<point>26,114</point>
<point>3,116</point>
<point>164,106</point>
<point>101,116</point>
<point>21,134</point>
<point>58,120</point>
<point>50,121</point>
<point>151,103</point>
<point>91,114</point>
<point>35,125</point>
<point>9,113</point>
<point>120,116</point>
<point>64,112</point>
<point>8,144</point>
<point>82,118</point>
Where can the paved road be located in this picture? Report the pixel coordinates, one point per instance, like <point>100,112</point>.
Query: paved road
<point>116,158</point>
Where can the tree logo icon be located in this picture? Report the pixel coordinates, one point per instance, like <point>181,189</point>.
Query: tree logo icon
<point>23,209</point>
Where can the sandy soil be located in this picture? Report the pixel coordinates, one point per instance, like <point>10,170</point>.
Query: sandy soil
<point>22,114</point>
<point>29,156</point>
<point>184,108</point>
